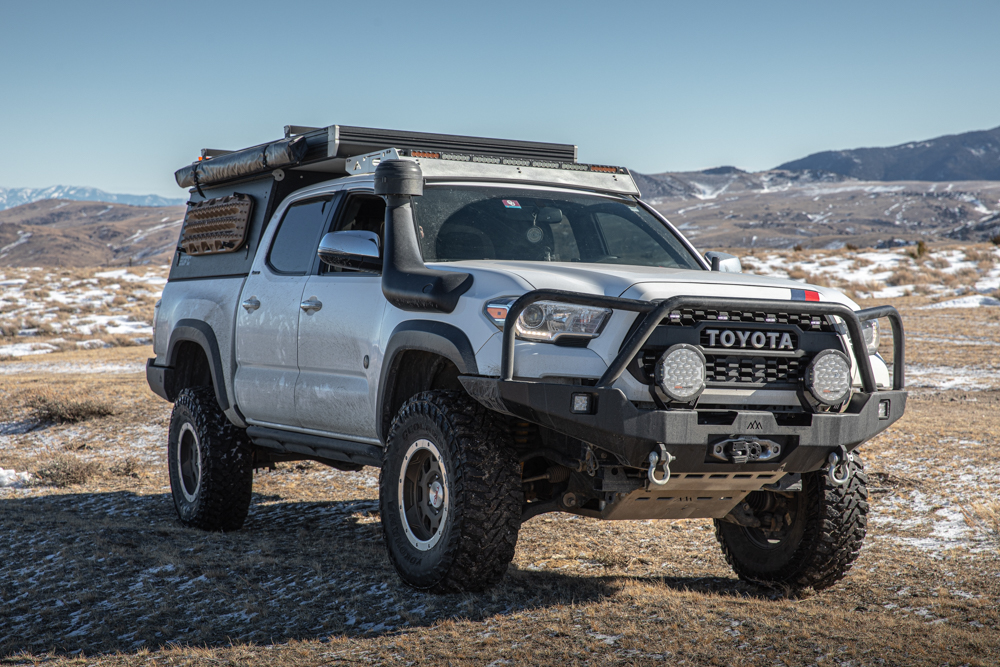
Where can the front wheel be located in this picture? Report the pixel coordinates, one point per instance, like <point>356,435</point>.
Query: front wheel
<point>450,494</point>
<point>808,538</point>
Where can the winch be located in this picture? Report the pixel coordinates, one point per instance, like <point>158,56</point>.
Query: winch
<point>745,448</point>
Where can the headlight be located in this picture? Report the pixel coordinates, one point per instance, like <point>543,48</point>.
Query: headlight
<point>680,372</point>
<point>870,329</point>
<point>829,377</point>
<point>547,321</point>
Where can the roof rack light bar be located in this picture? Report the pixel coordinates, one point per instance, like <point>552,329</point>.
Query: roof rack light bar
<point>360,140</point>
<point>326,149</point>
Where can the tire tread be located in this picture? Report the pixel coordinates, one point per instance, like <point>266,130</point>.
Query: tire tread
<point>485,484</point>
<point>227,468</point>
<point>836,525</point>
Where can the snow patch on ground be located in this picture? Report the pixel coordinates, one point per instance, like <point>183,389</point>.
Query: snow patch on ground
<point>951,377</point>
<point>25,349</point>
<point>13,479</point>
<point>18,368</point>
<point>124,274</point>
<point>965,302</point>
<point>867,272</point>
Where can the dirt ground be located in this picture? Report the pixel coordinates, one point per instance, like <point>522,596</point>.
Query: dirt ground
<point>95,569</point>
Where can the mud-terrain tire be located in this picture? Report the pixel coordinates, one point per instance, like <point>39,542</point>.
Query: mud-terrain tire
<point>450,494</point>
<point>211,468</point>
<point>828,526</point>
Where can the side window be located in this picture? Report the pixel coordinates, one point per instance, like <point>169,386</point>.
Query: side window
<point>294,246</point>
<point>361,212</point>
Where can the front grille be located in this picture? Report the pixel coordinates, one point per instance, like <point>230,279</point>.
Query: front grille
<point>776,356</point>
<point>686,317</point>
<point>737,370</point>
<point>734,369</point>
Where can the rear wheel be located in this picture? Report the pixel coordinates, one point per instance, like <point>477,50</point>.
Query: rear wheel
<point>808,538</point>
<point>450,494</point>
<point>211,471</point>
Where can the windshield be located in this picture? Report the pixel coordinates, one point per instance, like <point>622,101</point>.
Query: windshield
<point>479,222</point>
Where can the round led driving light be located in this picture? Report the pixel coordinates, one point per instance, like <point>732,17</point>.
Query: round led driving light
<point>680,372</point>
<point>829,377</point>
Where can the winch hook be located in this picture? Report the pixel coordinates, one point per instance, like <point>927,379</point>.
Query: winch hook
<point>839,469</point>
<point>659,457</point>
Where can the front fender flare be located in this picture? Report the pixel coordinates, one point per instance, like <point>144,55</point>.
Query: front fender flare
<point>438,338</point>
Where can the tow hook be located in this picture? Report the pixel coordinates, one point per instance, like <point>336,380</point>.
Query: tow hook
<point>659,457</point>
<point>839,470</point>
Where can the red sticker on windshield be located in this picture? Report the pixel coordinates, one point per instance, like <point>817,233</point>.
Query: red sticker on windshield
<point>511,203</point>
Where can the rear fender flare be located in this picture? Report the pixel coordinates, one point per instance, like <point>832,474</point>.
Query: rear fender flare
<point>200,333</point>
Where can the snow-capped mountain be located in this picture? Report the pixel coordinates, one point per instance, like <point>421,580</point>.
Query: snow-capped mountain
<point>11,197</point>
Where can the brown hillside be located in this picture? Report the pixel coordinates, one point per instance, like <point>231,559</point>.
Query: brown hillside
<point>56,232</point>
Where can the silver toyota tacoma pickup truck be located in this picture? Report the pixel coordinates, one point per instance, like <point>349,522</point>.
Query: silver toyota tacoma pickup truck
<point>505,332</point>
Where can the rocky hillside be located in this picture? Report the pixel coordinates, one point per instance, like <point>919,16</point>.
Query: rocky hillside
<point>727,207</point>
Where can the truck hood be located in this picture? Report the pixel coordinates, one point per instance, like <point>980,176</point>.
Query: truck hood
<point>647,283</point>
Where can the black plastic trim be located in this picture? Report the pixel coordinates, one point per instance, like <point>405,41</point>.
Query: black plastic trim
<point>201,333</point>
<point>159,379</point>
<point>440,338</point>
<point>317,446</point>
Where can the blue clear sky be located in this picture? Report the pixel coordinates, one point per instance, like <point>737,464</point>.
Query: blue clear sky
<point>117,95</point>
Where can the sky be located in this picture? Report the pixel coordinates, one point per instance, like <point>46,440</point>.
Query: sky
<point>118,95</point>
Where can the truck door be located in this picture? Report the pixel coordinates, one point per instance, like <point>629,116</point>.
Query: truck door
<point>267,320</point>
<point>339,358</point>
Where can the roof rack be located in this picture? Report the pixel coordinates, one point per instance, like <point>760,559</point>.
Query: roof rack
<point>327,149</point>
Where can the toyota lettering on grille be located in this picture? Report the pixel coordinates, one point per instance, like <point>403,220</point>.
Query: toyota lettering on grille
<point>760,340</point>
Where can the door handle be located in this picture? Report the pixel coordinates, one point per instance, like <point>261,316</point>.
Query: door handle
<point>311,305</point>
<point>251,304</point>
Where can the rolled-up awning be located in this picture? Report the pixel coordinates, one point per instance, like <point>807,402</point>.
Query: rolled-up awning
<point>247,162</point>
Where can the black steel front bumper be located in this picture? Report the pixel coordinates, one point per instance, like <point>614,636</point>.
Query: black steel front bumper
<point>617,425</point>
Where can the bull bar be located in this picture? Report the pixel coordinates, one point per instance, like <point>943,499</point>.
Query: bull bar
<point>617,425</point>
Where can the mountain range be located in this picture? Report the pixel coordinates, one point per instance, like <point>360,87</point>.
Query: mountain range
<point>11,197</point>
<point>943,189</point>
<point>971,156</point>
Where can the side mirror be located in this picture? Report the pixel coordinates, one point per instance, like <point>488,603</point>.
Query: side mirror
<point>354,250</point>
<point>724,262</point>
